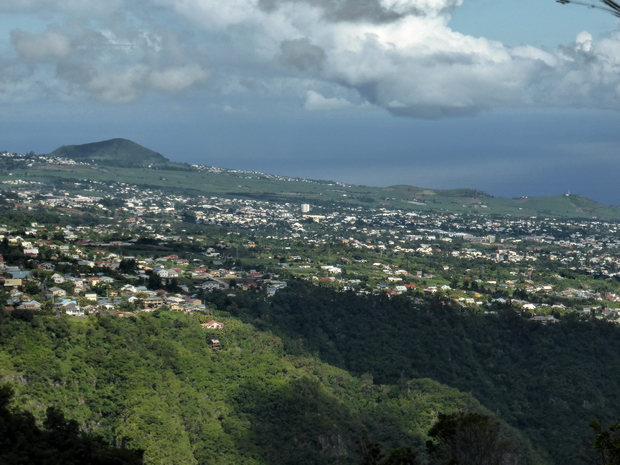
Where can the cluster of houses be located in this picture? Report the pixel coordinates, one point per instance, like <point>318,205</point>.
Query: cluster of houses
<point>525,245</point>
<point>101,285</point>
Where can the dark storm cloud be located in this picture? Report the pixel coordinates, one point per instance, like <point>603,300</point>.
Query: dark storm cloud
<point>341,10</point>
<point>373,11</point>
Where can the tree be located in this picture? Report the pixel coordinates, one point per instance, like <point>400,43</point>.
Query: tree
<point>154,282</point>
<point>606,444</point>
<point>368,451</point>
<point>610,5</point>
<point>127,266</point>
<point>370,454</point>
<point>401,456</point>
<point>466,438</point>
<point>60,441</point>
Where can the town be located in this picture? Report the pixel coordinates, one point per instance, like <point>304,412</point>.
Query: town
<point>95,246</point>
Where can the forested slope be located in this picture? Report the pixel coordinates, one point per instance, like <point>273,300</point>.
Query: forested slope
<point>152,382</point>
<point>548,381</point>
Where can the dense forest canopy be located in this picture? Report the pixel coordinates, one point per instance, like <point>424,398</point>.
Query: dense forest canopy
<point>548,381</point>
<point>154,383</point>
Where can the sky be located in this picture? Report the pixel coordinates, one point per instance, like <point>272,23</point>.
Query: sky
<point>515,97</point>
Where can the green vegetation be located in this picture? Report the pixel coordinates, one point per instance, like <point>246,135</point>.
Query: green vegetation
<point>606,444</point>
<point>115,152</point>
<point>153,383</point>
<point>464,438</point>
<point>547,381</point>
<point>58,442</point>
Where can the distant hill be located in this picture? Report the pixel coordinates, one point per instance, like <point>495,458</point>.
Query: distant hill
<point>113,152</point>
<point>122,160</point>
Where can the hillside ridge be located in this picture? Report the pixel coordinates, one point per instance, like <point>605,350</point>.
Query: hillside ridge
<point>118,152</point>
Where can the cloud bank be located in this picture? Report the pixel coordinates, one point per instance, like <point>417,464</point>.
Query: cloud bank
<point>400,55</point>
<point>117,60</point>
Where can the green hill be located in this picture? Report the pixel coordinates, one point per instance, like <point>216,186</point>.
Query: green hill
<point>114,152</point>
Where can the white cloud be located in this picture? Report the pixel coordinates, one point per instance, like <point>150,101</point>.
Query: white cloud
<point>226,108</point>
<point>120,86</point>
<point>401,55</point>
<point>583,41</point>
<point>33,47</point>
<point>117,59</point>
<point>214,14</point>
<point>51,7</point>
<point>315,101</point>
<point>428,7</point>
<point>177,79</point>
<point>412,63</point>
